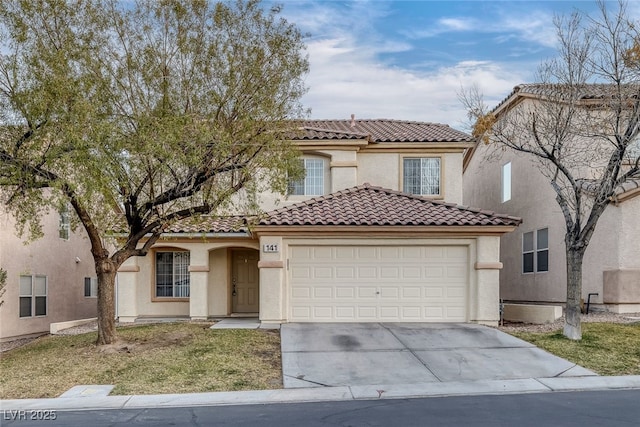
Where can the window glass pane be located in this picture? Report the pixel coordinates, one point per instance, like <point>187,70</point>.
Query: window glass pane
<point>25,306</point>
<point>87,286</point>
<point>181,274</point>
<point>41,306</point>
<point>543,238</point>
<point>543,260</point>
<point>430,176</point>
<point>296,188</point>
<point>64,223</point>
<point>527,262</point>
<point>40,287</point>
<point>506,182</point>
<point>527,242</point>
<point>25,285</point>
<point>164,274</point>
<point>314,180</point>
<point>411,180</point>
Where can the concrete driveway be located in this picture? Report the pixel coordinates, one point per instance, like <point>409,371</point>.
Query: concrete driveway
<point>334,354</point>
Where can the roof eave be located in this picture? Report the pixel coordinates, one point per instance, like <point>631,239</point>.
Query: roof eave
<point>386,230</point>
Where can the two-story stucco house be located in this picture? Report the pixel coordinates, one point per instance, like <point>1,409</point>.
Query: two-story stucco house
<point>534,256</point>
<point>374,232</point>
<point>49,280</point>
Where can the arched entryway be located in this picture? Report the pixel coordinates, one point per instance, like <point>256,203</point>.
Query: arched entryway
<point>245,281</point>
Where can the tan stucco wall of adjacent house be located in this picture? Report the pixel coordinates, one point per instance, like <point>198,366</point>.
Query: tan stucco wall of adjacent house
<point>65,263</point>
<point>612,247</point>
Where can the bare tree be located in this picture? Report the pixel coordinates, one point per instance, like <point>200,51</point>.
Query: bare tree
<point>138,116</point>
<point>578,124</point>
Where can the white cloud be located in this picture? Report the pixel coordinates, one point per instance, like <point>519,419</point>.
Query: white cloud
<point>346,79</point>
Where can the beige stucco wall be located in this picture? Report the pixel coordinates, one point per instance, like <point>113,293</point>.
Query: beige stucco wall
<point>52,257</point>
<point>382,168</point>
<point>613,245</point>
<point>209,274</point>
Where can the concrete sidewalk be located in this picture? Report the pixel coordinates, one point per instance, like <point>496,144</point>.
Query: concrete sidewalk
<point>360,392</point>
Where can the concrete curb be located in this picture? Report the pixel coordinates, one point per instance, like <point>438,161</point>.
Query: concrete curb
<point>324,394</point>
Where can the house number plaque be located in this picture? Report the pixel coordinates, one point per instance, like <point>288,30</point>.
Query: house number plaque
<point>270,247</point>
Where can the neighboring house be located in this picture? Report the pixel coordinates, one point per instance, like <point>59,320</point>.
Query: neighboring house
<point>534,256</point>
<point>337,249</point>
<point>49,280</point>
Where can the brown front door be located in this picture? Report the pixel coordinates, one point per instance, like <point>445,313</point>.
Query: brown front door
<point>244,281</point>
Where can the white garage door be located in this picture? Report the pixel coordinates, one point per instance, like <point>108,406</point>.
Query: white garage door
<point>378,283</point>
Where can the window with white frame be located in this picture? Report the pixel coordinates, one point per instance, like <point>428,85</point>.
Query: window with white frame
<point>65,224</point>
<point>91,287</point>
<point>313,182</point>
<point>33,295</point>
<point>172,274</point>
<point>506,182</point>
<point>535,251</point>
<point>421,176</point>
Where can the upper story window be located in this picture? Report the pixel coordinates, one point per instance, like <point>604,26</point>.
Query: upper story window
<point>506,182</point>
<point>64,226</point>
<point>33,295</point>
<point>172,274</point>
<point>421,176</point>
<point>535,251</point>
<point>313,182</point>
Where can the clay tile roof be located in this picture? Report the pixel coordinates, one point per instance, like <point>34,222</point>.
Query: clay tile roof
<point>367,205</point>
<point>376,130</point>
<point>210,224</point>
<point>559,91</point>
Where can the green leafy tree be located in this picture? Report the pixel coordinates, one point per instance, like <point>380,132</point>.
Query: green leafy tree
<point>142,115</point>
<point>581,129</point>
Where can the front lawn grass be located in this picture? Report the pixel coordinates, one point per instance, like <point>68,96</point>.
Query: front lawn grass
<point>149,359</point>
<point>605,348</point>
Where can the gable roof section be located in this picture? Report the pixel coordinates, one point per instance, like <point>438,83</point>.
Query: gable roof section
<point>585,92</point>
<point>367,205</point>
<point>376,131</point>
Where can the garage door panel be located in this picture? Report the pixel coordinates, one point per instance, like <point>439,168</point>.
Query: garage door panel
<point>368,283</point>
<point>367,272</point>
<point>345,292</point>
<point>322,293</point>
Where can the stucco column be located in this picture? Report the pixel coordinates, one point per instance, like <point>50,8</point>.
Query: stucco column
<point>272,274</point>
<point>198,286</point>
<point>487,271</point>
<point>127,298</point>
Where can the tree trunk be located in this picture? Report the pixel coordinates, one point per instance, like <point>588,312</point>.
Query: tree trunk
<point>106,302</point>
<point>572,327</point>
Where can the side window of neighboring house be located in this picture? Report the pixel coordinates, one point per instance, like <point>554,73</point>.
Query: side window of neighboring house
<point>65,225</point>
<point>313,182</point>
<point>33,296</point>
<point>91,287</point>
<point>535,251</point>
<point>506,182</point>
<point>172,274</point>
<point>421,176</point>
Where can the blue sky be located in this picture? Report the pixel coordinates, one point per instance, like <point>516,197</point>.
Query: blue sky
<point>408,59</point>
